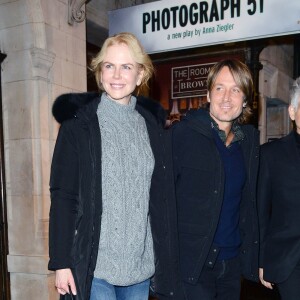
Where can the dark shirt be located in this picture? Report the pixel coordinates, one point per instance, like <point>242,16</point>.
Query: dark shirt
<point>227,237</point>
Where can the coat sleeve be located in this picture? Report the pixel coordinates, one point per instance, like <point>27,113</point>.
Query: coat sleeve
<point>264,197</point>
<point>64,182</point>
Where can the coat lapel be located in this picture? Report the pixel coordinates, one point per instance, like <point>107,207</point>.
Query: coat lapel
<point>290,148</point>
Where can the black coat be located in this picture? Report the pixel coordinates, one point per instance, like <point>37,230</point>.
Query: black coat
<point>75,185</point>
<point>279,208</point>
<point>199,176</point>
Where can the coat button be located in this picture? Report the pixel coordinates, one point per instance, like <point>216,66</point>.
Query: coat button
<point>215,191</point>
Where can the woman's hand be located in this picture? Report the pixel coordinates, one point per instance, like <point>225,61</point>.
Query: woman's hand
<point>64,281</point>
<point>265,283</point>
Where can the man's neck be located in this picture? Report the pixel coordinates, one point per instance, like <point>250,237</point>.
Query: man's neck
<point>225,126</point>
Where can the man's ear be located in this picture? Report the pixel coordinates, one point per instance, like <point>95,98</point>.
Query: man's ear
<point>292,112</point>
<point>207,96</point>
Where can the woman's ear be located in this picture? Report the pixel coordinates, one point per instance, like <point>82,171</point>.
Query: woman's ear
<point>140,77</point>
<point>100,77</point>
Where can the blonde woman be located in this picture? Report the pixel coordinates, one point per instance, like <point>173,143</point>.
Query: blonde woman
<point>108,181</point>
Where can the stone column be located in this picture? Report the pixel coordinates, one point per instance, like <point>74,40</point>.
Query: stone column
<point>28,153</point>
<point>45,57</point>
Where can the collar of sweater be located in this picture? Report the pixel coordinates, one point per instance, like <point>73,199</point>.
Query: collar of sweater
<point>111,109</point>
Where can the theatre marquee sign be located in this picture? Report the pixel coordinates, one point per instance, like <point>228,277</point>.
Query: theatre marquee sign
<point>175,24</point>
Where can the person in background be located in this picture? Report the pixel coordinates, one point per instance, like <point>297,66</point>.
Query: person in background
<point>109,217</point>
<point>216,157</point>
<point>279,208</point>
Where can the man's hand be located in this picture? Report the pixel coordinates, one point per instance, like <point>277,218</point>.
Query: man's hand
<point>265,283</point>
<point>64,281</point>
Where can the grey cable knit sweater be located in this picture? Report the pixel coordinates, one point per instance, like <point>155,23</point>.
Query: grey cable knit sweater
<point>125,255</point>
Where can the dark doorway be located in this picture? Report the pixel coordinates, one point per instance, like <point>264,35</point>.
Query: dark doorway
<point>4,276</point>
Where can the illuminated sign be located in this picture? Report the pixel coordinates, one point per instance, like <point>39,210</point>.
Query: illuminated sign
<point>171,24</point>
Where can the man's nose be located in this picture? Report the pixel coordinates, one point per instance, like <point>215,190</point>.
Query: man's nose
<point>227,93</point>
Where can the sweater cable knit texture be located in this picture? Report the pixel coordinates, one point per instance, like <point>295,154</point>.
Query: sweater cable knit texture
<point>125,255</point>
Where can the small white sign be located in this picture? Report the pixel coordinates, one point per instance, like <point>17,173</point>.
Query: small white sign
<point>190,81</point>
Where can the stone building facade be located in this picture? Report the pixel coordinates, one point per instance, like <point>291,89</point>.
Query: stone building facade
<point>45,57</point>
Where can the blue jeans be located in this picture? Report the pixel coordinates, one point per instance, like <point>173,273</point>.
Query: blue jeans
<point>102,290</point>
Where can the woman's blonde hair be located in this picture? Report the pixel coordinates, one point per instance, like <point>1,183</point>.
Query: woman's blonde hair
<point>137,51</point>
